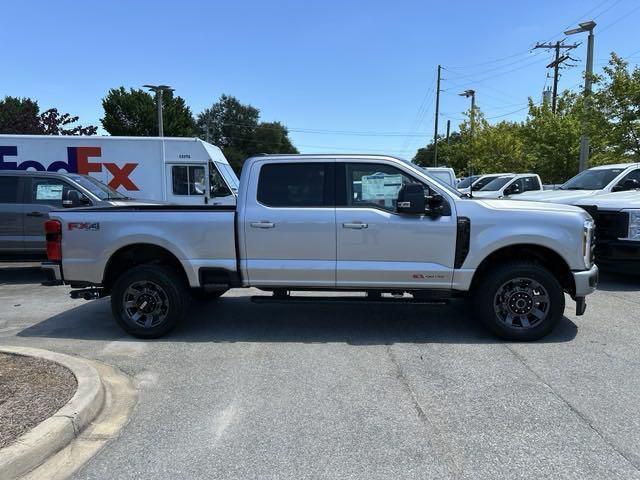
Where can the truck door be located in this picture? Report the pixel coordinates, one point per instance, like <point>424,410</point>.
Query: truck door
<point>186,184</point>
<point>43,194</point>
<point>379,248</point>
<point>11,214</point>
<point>290,231</point>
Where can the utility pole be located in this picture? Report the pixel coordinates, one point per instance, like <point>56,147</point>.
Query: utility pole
<point>448,130</point>
<point>556,65</point>
<point>588,75</point>
<point>435,134</point>
<point>158,89</point>
<point>471,93</point>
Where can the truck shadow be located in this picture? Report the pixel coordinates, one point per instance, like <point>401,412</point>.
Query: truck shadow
<point>238,319</point>
<point>14,275</point>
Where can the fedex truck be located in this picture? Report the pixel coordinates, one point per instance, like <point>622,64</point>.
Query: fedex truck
<point>176,170</point>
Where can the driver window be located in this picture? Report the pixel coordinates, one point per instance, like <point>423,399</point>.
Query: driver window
<point>217,185</point>
<point>374,185</point>
<point>634,175</point>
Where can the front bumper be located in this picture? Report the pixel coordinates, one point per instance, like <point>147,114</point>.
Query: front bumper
<point>586,281</point>
<point>52,272</point>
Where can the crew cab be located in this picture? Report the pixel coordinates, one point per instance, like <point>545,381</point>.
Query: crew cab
<point>617,217</point>
<point>594,181</point>
<point>366,223</point>
<point>476,182</point>
<point>506,186</point>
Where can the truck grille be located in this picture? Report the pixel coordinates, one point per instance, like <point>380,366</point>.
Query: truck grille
<point>609,225</point>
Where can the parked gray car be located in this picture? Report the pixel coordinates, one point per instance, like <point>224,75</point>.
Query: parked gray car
<point>27,197</point>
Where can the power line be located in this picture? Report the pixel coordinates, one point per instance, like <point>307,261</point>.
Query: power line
<point>619,19</point>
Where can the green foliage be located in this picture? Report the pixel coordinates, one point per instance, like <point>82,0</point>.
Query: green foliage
<point>237,130</point>
<point>21,116</point>
<point>134,113</point>
<point>548,143</point>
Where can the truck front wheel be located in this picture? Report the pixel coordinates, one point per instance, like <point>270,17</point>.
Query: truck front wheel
<point>148,301</point>
<point>519,301</point>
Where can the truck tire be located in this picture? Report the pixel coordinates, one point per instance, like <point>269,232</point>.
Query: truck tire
<point>520,301</point>
<point>148,301</point>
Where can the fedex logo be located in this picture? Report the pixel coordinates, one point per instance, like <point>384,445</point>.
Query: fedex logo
<point>77,162</point>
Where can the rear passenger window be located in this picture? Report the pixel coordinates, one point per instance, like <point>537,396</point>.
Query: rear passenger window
<point>8,189</point>
<point>188,180</point>
<point>48,191</point>
<point>295,185</point>
<point>530,184</point>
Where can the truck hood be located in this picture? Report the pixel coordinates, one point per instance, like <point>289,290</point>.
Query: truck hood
<point>481,194</point>
<point>568,197</point>
<point>511,205</point>
<point>614,201</point>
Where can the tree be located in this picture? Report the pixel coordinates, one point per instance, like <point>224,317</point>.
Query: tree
<point>615,112</point>
<point>55,123</point>
<point>22,116</point>
<point>134,113</point>
<point>236,128</point>
<point>19,116</point>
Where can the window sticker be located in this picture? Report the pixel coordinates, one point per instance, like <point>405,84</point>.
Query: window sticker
<point>48,192</point>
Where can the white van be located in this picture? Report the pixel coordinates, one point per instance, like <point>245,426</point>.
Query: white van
<point>184,171</point>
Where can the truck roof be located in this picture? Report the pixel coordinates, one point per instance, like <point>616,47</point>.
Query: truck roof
<point>31,173</point>
<point>101,137</point>
<point>615,165</point>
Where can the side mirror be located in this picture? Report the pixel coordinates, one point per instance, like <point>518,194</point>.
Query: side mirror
<point>628,184</point>
<point>411,199</point>
<point>435,203</point>
<point>74,199</point>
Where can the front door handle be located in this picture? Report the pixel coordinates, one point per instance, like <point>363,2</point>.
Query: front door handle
<point>35,214</point>
<point>262,224</point>
<point>355,225</point>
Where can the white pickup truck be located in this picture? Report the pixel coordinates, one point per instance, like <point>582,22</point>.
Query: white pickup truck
<point>365,223</point>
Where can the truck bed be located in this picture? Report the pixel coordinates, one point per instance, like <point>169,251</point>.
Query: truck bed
<point>200,237</point>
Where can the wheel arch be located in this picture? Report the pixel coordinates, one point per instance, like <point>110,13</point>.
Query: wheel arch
<point>542,255</point>
<point>136,254</point>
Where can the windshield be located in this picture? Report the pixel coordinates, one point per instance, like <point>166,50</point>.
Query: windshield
<point>99,189</point>
<point>485,180</point>
<point>228,174</point>
<point>592,179</point>
<point>468,181</point>
<point>495,184</point>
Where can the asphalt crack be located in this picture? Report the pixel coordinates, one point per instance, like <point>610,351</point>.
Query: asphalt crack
<point>582,416</point>
<point>436,440</point>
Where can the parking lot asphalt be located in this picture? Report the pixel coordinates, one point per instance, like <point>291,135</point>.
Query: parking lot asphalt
<point>245,390</point>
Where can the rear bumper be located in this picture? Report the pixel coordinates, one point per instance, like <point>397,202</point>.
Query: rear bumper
<point>52,272</point>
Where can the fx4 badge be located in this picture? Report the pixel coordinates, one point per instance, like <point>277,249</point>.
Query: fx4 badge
<point>83,226</point>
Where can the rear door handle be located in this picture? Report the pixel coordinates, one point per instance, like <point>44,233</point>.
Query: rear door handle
<point>262,224</point>
<point>355,225</point>
<point>35,214</point>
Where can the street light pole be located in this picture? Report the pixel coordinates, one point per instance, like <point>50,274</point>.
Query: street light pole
<point>584,138</point>
<point>159,89</point>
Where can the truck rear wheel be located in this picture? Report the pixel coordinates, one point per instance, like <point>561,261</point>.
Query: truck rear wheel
<point>519,301</point>
<point>148,301</point>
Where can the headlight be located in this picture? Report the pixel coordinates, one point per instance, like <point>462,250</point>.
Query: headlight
<point>587,242</point>
<point>634,225</point>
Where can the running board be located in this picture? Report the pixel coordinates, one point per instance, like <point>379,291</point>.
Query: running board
<point>348,300</point>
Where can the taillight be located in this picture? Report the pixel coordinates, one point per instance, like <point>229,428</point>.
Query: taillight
<point>53,230</point>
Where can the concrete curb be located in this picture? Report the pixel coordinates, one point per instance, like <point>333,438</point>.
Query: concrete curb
<point>57,431</point>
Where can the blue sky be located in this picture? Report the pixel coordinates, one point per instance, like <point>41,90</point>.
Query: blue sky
<point>344,76</point>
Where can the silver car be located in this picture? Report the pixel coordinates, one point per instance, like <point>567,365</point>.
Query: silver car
<point>27,197</point>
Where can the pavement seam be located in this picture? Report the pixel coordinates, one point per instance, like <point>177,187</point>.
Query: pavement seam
<point>583,417</point>
<point>437,439</point>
